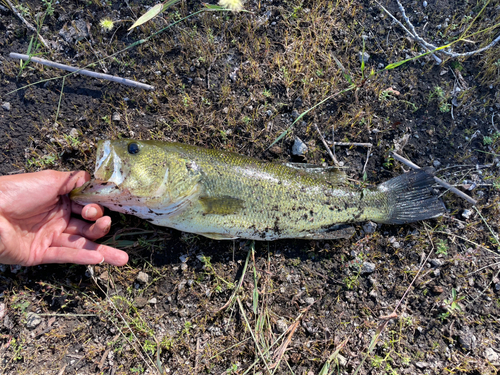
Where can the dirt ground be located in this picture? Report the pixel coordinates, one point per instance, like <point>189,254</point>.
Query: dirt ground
<point>186,304</point>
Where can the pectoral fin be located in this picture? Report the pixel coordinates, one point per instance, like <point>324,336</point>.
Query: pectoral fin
<point>218,236</point>
<point>221,205</point>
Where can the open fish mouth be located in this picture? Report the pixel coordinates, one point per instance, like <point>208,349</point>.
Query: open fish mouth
<point>109,165</point>
<point>95,191</point>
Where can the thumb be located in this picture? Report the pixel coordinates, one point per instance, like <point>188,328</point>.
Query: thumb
<point>72,180</point>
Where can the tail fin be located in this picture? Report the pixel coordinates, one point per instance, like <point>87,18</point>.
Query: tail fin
<point>411,198</point>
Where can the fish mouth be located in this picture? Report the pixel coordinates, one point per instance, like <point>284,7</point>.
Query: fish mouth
<point>108,166</point>
<point>95,191</point>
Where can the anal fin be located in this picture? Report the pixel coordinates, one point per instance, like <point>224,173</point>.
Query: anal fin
<point>218,236</point>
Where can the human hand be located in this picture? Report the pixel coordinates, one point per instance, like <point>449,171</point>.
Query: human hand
<point>36,226</point>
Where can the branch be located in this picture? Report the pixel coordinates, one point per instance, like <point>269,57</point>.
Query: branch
<point>28,25</point>
<point>428,46</point>
<point>438,180</point>
<point>85,72</point>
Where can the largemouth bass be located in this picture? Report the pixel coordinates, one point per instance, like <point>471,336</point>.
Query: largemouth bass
<point>222,195</point>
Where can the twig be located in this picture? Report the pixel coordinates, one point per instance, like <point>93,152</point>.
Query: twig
<point>28,25</point>
<point>438,180</point>
<point>428,46</point>
<point>335,161</point>
<point>89,73</point>
<point>355,144</point>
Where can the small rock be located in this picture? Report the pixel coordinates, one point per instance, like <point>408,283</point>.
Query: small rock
<point>309,300</point>
<point>364,56</point>
<point>492,356</point>
<point>183,258</point>
<point>184,266</point>
<point>295,114</point>
<point>77,31</point>
<point>73,133</point>
<point>436,272</point>
<point>297,102</point>
<point>466,214</point>
<point>467,339</point>
<point>104,277</point>
<point>281,326</point>
<point>6,106</point>
<point>369,227</point>
<point>3,310</point>
<point>116,117</point>
<point>425,4</point>
<point>438,289</point>
<point>32,320</point>
<point>367,268</point>
<point>436,163</point>
<point>299,148</point>
<point>152,301</point>
<point>421,365</point>
<point>436,262</point>
<point>140,302</point>
<point>497,286</point>
<point>373,293</point>
<point>142,277</point>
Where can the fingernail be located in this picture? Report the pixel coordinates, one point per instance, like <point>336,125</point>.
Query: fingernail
<point>91,212</point>
<point>102,261</point>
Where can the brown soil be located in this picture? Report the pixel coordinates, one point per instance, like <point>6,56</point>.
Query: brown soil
<point>236,82</point>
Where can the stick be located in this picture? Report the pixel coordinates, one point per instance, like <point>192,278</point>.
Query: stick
<point>356,144</point>
<point>85,72</point>
<point>28,25</point>
<point>428,46</point>
<point>438,180</point>
<point>335,161</point>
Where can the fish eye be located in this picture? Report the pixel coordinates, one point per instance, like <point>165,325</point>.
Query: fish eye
<point>133,148</point>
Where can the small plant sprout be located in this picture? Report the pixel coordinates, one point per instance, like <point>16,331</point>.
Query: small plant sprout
<point>106,24</point>
<point>452,305</point>
<point>442,247</point>
<point>234,5</point>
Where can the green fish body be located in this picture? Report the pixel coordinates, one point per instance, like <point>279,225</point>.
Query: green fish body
<point>223,195</point>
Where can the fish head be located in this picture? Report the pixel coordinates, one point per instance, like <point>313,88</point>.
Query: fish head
<point>128,173</point>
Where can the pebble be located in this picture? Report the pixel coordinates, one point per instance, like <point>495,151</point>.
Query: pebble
<point>364,56</point>
<point>281,326</point>
<point>492,356</point>
<point>369,227</point>
<point>142,277</point>
<point>32,320</point>
<point>140,302</point>
<point>3,310</point>
<point>73,133</point>
<point>309,300</point>
<point>436,163</point>
<point>183,258</point>
<point>6,106</point>
<point>153,301</point>
<point>421,365</point>
<point>467,340</point>
<point>184,266</point>
<point>116,117</point>
<point>373,293</point>
<point>425,4</point>
<point>436,262</point>
<point>466,214</point>
<point>299,148</point>
<point>367,268</point>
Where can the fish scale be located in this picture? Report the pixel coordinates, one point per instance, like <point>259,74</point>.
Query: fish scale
<point>224,195</point>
